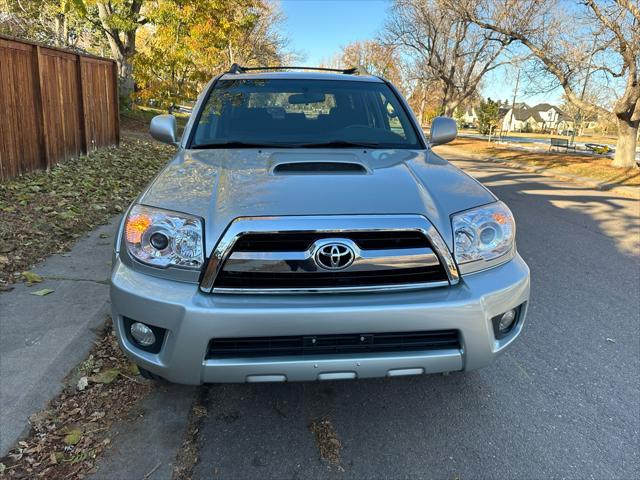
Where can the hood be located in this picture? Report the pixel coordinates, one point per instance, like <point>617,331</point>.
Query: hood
<point>220,185</point>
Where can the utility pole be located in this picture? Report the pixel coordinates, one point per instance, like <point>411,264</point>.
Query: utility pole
<point>513,103</point>
<point>584,89</point>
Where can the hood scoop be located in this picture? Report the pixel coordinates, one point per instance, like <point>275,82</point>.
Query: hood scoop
<point>309,168</point>
<point>315,163</point>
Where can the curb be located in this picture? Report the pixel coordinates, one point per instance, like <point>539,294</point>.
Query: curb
<point>60,367</point>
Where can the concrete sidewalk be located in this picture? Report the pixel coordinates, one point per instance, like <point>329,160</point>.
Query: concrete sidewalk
<point>43,338</point>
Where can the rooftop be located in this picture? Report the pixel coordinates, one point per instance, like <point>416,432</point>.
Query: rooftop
<point>543,107</point>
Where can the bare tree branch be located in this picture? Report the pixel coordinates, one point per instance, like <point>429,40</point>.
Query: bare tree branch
<point>451,48</point>
<point>635,11</point>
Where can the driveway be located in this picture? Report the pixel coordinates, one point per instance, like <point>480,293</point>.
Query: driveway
<point>563,402</point>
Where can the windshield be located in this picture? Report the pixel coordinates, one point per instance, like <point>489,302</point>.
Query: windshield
<point>303,113</point>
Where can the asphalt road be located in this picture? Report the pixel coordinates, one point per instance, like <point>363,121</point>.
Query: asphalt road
<point>564,402</point>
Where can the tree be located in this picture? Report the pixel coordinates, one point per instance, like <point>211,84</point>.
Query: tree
<point>593,41</point>
<point>376,58</point>
<point>458,116</point>
<point>118,20</point>
<point>188,41</point>
<point>64,22</point>
<point>445,46</point>
<point>488,115</point>
<point>52,22</point>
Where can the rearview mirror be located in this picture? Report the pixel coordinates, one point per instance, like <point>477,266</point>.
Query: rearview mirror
<point>164,129</point>
<point>443,130</point>
<point>303,98</point>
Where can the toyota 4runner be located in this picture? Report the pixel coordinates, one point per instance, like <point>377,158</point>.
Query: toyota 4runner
<point>305,230</point>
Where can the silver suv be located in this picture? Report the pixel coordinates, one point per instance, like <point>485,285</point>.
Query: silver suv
<point>305,230</point>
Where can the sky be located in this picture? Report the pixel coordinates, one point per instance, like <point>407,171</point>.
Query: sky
<point>317,29</point>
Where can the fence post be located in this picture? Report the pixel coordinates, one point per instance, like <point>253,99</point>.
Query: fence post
<point>116,93</point>
<point>40,107</point>
<point>84,143</point>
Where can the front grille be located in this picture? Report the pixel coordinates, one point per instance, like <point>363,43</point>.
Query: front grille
<point>317,345</point>
<point>301,241</point>
<point>296,261</point>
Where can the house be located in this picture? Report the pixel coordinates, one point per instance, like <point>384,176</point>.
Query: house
<point>542,117</point>
<point>470,117</point>
<point>466,117</point>
<point>549,114</point>
<point>580,123</point>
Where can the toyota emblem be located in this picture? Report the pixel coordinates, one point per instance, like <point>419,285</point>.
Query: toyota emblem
<point>334,256</point>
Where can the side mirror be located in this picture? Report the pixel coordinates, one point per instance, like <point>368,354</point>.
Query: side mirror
<point>164,128</point>
<point>443,130</point>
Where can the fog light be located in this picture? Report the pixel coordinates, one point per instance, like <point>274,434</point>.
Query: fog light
<point>506,321</point>
<point>142,334</point>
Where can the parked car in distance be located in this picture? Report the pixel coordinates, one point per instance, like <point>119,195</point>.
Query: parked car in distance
<point>306,230</point>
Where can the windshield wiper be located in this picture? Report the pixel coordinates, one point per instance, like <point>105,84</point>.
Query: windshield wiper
<point>338,144</point>
<point>240,144</point>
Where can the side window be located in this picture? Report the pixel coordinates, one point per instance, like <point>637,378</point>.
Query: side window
<point>392,116</point>
<point>208,125</point>
<point>217,106</point>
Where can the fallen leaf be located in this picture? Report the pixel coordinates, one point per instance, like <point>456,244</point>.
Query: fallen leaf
<point>83,383</point>
<point>52,459</point>
<point>43,292</point>
<point>31,277</point>
<point>73,437</point>
<point>199,411</point>
<point>104,235</point>
<point>16,457</point>
<point>3,467</point>
<point>611,340</point>
<point>133,369</point>
<point>106,376</point>
<point>37,420</point>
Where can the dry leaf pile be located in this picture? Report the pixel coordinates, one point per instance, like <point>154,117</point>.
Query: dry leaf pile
<point>45,212</point>
<point>327,441</point>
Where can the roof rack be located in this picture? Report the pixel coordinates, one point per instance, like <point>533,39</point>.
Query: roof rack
<point>235,68</point>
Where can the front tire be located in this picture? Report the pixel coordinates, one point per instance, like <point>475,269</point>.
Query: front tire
<point>144,373</point>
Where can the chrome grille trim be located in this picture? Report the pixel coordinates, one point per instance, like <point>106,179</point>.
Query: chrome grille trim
<point>366,260</point>
<point>222,253</point>
<point>359,289</point>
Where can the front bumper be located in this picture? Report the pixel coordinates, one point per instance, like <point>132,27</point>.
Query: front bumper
<point>193,318</point>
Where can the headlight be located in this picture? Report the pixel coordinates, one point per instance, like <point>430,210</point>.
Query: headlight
<point>162,238</point>
<point>483,236</point>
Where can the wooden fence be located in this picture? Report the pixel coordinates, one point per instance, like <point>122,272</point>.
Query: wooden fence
<point>54,105</point>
